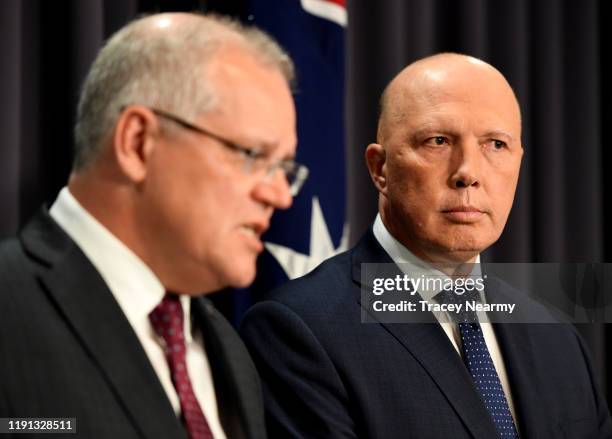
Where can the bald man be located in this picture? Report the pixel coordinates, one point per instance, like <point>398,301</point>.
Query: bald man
<point>185,139</point>
<point>446,165</point>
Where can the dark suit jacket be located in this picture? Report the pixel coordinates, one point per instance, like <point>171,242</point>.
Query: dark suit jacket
<point>67,349</point>
<point>327,375</point>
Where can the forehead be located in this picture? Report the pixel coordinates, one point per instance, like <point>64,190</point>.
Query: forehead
<point>251,98</point>
<point>458,100</point>
<point>236,73</point>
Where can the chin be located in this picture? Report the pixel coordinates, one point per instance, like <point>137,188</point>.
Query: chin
<point>469,239</point>
<point>242,283</point>
<point>242,278</point>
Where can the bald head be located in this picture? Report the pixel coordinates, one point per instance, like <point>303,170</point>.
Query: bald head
<point>160,61</point>
<point>445,75</point>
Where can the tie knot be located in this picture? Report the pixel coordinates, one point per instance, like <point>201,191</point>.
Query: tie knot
<point>452,297</point>
<point>167,321</point>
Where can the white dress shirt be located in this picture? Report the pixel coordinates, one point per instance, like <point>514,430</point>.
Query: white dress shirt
<point>138,291</point>
<point>415,267</point>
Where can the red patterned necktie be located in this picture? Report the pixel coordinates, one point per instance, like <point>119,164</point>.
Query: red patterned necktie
<point>167,320</point>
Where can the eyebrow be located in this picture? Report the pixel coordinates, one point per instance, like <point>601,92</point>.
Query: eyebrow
<point>497,133</point>
<point>435,131</point>
<point>451,132</point>
<point>269,148</point>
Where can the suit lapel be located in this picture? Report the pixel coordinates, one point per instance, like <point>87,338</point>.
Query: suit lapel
<point>237,387</point>
<point>517,350</point>
<point>432,349</point>
<point>519,355</point>
<point>98,323</point>
<point>430,346</point>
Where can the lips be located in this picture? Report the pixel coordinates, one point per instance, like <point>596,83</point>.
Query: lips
<point>253,231</point>
<point>464,214</point>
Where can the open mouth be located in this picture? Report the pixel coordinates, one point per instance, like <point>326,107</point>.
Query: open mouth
<point>249,230</point>
<point>253,234</point>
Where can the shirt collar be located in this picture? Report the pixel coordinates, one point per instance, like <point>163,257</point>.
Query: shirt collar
<point>408,262</point>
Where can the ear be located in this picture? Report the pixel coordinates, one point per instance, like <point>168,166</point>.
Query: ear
<point>136,133</point>
<point>376,160</point>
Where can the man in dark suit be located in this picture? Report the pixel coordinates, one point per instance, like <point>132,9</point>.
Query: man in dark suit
<point>101,305</point>
<point>446,165</point>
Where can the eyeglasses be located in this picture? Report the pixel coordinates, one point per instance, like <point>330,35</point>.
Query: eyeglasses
<point>255,160</point>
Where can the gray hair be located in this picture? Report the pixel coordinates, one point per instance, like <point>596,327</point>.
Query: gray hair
<point>161,69</point>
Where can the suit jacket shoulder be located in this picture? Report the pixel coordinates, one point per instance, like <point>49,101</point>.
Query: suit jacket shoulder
<point>67,349</point>
<point>328,375</point>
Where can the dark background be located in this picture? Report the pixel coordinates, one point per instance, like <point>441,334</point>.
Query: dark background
<point>551,51</point>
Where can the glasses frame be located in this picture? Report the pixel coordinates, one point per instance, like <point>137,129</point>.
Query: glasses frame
<point>295,173</point>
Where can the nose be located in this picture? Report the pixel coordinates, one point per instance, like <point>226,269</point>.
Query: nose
<point>466,165</point>
<point>274,191</point>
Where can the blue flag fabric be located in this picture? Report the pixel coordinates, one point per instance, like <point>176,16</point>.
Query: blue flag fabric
<point>314,228</point>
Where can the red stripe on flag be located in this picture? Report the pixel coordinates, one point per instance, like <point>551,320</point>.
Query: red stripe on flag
<point>338,2</point>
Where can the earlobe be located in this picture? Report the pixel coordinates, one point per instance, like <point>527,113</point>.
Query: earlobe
<point>133,141</point>
<point>376,159</point>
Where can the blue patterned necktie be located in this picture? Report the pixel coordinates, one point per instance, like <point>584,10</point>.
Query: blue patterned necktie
<point>480,365</point>
<point>478,361</point>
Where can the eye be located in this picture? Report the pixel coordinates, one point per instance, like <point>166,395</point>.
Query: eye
<point>499,144</point>
<point>254,154</point>
<point>437,141</point>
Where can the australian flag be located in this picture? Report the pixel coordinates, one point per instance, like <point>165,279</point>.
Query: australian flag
<point>314,228</point>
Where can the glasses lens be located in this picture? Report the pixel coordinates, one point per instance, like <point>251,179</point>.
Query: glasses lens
<point>296,175</point>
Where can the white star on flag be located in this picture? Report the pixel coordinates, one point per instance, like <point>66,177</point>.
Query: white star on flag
<point>296,264</point>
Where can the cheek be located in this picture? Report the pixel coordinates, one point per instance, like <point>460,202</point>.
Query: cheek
<point>189,206</point>
<point>503,194</point>
<point>218,211</point>
<point>208,193</point>
<point>416,188</point>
